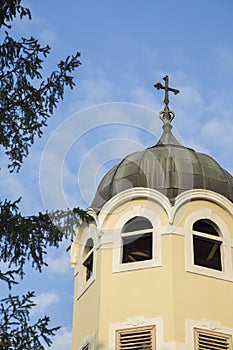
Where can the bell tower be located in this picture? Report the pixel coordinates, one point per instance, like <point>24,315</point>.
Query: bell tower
<point>153,267</point>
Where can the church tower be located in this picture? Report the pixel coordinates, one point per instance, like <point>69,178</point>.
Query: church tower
<point>153,269</point>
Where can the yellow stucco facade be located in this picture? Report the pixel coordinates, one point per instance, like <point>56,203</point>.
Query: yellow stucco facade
<point>168,291</point>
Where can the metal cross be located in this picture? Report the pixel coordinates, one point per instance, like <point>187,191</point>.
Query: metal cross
<point>159,86</point>
<point>166,113</point>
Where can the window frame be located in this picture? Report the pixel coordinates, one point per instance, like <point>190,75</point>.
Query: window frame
<point>208,238</point>
<point>87,256</point>
<point>82,282</point>
<point>134,236</point>
<point>226,246</point>
<point>150,215</point>
<point>204,325</point>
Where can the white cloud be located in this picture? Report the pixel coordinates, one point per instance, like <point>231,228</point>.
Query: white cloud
<point>145,97</point>
<point>224,57</point>
<point>84,134</point>
<point>23,184</point>
<point>62,340</point>
<point>12,184</point>
<point>52,173</point>
<point>43,301</point>
<point>48,36</point>
<point>95,91</point>
<point>78,140</point>
<point>98,157</point>
<point>59,265</point>
<point>189,108</point>
<point>219,133</point>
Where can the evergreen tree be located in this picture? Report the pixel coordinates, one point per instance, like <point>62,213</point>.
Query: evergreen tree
<point>27,101</point>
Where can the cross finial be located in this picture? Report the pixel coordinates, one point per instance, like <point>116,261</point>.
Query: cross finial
<point>166,115</point>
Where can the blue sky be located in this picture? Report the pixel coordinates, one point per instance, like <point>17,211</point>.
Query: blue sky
<point>125,47</point>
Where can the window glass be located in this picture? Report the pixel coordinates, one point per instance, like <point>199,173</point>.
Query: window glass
<point>88,259</point>
<point>206,226</point>
<point>207,250</point>
<point>207,253</point>
<point>137,223</point>
<point>137,247</point>
<point>89,245</point>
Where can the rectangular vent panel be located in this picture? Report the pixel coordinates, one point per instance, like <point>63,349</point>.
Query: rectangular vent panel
<point>142,338</point>
<point>205,340</point>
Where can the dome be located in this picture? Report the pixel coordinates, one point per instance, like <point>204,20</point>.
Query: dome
<point>167,167</point>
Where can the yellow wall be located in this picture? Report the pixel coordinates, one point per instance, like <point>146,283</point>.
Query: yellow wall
<point>167,291</point>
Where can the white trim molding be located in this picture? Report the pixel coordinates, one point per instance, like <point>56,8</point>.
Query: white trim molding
<point>196,194</point>
<point>136,322</point>
<point>83,234</point>
<point>206,325</point>
<point>141,321</point>
<point>118,266</point>
<point>127,196</point>
<point>171,210</point>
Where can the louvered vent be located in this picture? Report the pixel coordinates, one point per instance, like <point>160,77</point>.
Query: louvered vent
<point>212,340</point>
<point>142,338</point>
<point>86,347</point>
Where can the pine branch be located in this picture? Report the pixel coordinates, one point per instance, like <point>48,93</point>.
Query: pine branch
<point>16,330</point>
<point>27,238</point>
<point>26,100</point>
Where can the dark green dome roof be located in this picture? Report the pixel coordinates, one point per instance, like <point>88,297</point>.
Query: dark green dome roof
<point>169,168</point>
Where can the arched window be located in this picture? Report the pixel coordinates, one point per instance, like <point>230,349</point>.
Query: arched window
<point>88,259</point>
<point>137,240</point>
<point>207,244</point>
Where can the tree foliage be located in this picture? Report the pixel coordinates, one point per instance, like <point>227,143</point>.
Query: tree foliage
<point>17,332</point>
<point>10,9</point>
<point>27,101</point>
<point>27,238</point>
